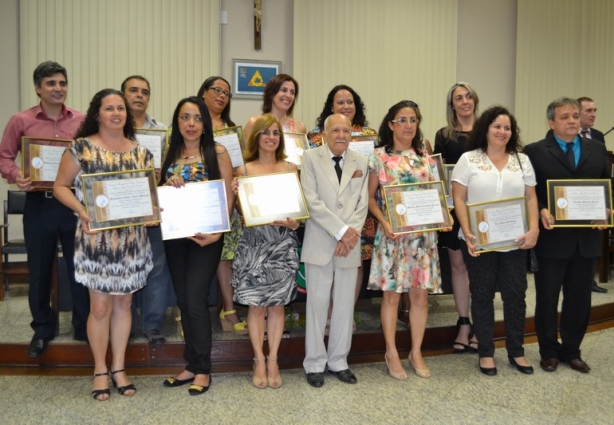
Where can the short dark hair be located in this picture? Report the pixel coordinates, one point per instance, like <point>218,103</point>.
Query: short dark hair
<point>205,86</point>
<point>47,69</point>
<point>386,135</point>
<point>134,77</point>
<point>272,88</point>
<point>90,124</point>
<point>359,116</point>
<point>477,138</point>
<point>557,103</point>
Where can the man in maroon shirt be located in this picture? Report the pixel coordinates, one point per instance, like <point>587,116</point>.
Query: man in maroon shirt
<point>45,219</point>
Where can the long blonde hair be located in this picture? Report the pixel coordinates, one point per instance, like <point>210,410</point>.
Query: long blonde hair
<point>262,123</point>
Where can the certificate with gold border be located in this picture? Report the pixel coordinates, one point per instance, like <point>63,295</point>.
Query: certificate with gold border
<point>417,207</point>
<point>232,139</point>
<point>364,144</point>
<point>121,198</point>
<point>155,140</point>
<point>200,207</point>
<point>41,160</point>
<point>580,203</point>
<point>295,144</point>
<point>447,172</point>
<point>438,171</point>
<point>496,224</point>
<point>269,197</point>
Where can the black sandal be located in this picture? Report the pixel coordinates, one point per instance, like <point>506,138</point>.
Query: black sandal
<point>122,390</point>
<point>463,321</point>
<point>98,393</point>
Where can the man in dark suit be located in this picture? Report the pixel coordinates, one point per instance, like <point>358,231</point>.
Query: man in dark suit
<point>566,255</point>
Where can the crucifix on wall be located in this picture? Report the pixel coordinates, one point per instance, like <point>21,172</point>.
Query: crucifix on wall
<point>257,24</point>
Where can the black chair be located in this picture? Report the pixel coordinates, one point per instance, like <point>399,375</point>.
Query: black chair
<point>16,271</point>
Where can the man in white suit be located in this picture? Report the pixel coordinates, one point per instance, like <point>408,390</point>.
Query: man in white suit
<point>334,181</point>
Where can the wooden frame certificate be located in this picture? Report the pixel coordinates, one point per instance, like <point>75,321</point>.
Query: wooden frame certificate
<point>269,197</point>
<point>121,198</point>
<point>232,139</point>
<point>41,160</point>
<point>580,203</point>
<point>417,207</point>
<point>496,224</point>
<point>295,144</point>
<point>364,145</point>
<point>154,139</point>
<point>200,207</point>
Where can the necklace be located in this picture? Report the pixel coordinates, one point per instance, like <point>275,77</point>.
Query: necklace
<point>191,156</point>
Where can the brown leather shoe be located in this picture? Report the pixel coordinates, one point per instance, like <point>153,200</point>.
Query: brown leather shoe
<point>579,365</point>
<point>549,365</point>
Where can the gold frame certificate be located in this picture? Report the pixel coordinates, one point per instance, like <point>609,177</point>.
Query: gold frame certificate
<point>295,145</point>
<point>580,203</point>
<point>41,160</point>
<point>364,144</point>
<point>121,198</point>
<point>496,224</point>
<point>438,171</point>
<point>155,140</point>
<point>232,139</point>
<point>269,197</point>
<point>200,207</point>
<point>417,207</point>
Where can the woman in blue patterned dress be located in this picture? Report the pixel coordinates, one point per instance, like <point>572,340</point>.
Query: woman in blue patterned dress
<point>114,263</point>
<point>266,261</point>
<point>402,262</point>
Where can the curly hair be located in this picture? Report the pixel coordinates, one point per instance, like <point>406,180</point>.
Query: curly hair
<point>359,116</point>
<point>477,138</point>
<point>450,131</point>
<point>262,123</point>
<point>207,144</point>
<point>90,124</point>
<point>386,135</point>
<point>272,88</point>
<point>206,86</point>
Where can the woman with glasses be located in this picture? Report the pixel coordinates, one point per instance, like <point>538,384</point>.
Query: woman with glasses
<point>451,142</point>
<point>215,91</point>
<point>278,99</point>
<point>267,258</point>
<point>402,262</point>
<point>193,156</point>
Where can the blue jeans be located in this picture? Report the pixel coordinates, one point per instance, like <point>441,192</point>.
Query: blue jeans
<point>156,296</point>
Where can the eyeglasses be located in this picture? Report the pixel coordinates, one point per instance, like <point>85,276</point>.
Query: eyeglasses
<point>219,91</point>
<point>405,120</point>
<point>188,117</point>
<point>268,132</point>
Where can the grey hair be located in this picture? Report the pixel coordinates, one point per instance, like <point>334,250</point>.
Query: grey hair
<point>557,103</point>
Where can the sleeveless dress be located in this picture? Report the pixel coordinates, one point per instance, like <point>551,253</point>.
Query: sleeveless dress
<point>265,265</point>
<point>411,260</point>
<point>115,261</point>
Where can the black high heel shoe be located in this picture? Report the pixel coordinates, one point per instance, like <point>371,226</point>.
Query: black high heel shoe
<point>97,393</point>
<point>527,370</point>
<point>488,371</point>
<point>463,321</point>
<point>122,390</point>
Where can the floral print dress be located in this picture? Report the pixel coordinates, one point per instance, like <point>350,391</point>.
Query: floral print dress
<point>412,259</point>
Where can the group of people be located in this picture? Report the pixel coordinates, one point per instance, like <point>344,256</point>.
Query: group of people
<point>348,224</point>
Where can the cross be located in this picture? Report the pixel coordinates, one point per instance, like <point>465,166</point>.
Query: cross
<point>257,24</point>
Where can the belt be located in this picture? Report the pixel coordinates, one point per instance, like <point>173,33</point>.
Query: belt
<point>41,194</point>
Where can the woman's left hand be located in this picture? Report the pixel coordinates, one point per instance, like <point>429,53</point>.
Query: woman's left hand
<point>290,223</point>
<point>204,239</point>
<point>528,240</point>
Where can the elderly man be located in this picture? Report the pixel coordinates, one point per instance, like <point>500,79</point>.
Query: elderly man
<point>45,219</point>
<point>565,255</point>
<point>334,181</point>
<point>153,298</point>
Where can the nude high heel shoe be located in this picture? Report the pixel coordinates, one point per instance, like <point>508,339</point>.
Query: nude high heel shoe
<point>401,376</point>
<point>260,383</point>
<point>422,373</point>
<point>273,382</point>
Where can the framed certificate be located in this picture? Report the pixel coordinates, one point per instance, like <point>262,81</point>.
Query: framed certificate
<point>41,160</point>
<point>269,197</point>
<point>364,144</point>
<point>580,203</point>
<point>496,224</point>
<point>199,207</point>
<point>438,171</point>
<point>121,198</point>
<point>417,207</point>
<point>295,144</point>
<point>232,139</point>
<point>447,172</point>
<point>154,140</point>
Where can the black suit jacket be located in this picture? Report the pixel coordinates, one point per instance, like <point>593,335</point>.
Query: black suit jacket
<point>595,135</point>
<point>549,162</point>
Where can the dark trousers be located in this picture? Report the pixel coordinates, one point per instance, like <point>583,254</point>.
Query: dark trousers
<point>192,270</point>
<point>508,272</point>
<point>45,220</point>
<point>575,276</point>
